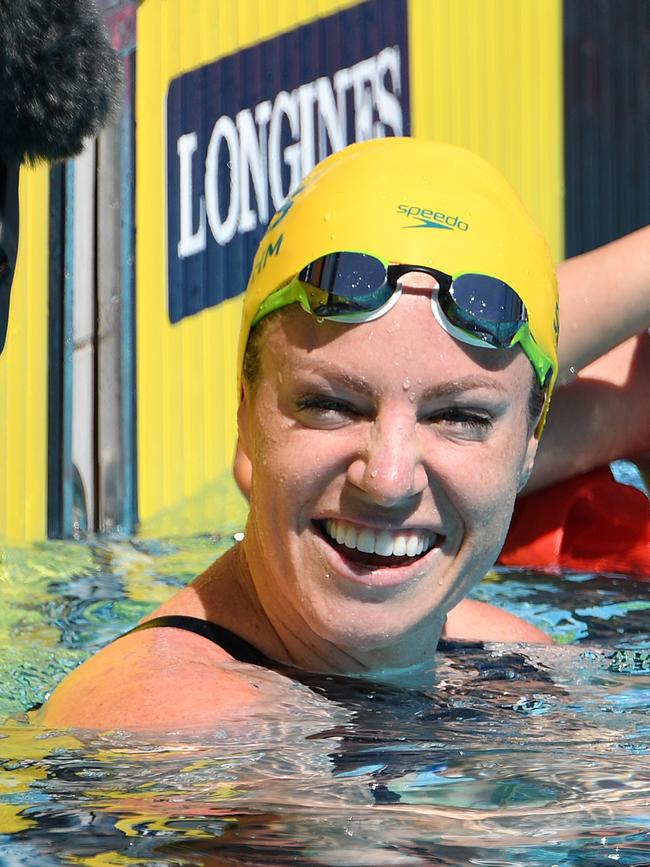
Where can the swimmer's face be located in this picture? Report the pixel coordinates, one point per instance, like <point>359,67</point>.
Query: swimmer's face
<point>397,439</point>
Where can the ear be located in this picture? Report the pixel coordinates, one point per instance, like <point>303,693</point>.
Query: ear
<point>242,465</point>
<point>529,460</point>
<point>243,420</point>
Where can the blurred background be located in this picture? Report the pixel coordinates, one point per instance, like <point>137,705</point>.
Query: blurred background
<point>117,378</point>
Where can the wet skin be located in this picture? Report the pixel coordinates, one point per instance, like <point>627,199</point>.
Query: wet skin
<point>390,425</point>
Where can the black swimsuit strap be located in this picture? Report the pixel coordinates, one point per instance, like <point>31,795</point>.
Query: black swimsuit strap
<point>243,651</point>
<point>237,647</point>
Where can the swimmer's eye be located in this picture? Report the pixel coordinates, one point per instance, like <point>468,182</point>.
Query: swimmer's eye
<point>320,403</point>
<point>471,421</point>
<point>320,410</point>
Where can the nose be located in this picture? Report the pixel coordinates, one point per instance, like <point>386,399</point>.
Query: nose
<point>390,472</point>
<point>418,281</point>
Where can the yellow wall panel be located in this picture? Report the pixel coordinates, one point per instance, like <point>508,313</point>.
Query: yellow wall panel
<point>483,73</point>
<point>23,373</point>
<point>186,401</point>
<point>487,74</point>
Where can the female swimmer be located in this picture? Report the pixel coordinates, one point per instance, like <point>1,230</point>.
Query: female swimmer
<point>397,354</point>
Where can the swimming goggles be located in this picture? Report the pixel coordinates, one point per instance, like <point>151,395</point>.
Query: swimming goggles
<point>352,287</point>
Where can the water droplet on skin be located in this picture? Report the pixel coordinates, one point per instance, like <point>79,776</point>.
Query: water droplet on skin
<point>406,384</point>
<point>373,474</point>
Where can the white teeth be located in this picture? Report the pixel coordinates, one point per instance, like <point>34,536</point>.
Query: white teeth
<point>412,546</point>
<point>350,540</point>
<point>366,542</point>
<point>384,542</point>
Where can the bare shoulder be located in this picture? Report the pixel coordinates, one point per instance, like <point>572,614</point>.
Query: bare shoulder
<point>159,679</point>
<point>478,621</point>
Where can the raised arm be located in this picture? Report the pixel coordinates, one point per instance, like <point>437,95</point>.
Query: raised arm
<point>604,300</point>
<point>601,411</point>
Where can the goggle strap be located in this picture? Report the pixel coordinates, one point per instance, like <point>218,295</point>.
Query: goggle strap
<point>292,292</point>
<point>541,364</point>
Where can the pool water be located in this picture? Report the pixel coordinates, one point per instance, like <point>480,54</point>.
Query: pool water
<point>502,755</point>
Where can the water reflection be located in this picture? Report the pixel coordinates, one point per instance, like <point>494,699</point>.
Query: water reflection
<point>502,755</point>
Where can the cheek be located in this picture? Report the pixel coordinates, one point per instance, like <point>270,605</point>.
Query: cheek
<point>291,465</point>
<point>484,488</point>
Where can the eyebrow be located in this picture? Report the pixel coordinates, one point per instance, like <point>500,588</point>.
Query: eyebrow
<point>354,383</point>
<point>450,388</point>
<point>466,383</point>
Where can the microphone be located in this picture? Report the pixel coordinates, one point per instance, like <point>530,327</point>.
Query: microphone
<point>59,78</point>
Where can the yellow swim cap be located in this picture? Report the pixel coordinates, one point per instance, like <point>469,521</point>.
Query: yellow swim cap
<point>411,201</point>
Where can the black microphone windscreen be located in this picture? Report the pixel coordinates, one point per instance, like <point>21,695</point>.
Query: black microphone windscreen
<point>58,77</point>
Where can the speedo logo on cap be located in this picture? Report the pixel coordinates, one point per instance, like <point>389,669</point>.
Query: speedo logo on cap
<point>427,219</point>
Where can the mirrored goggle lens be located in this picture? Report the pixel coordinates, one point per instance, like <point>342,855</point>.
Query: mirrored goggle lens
<point>348,283</point>
<point>484,306</point>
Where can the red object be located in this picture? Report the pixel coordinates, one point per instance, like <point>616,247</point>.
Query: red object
<point>589,523</point>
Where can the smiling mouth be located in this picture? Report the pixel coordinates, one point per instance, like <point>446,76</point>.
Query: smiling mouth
<point>378,548</point>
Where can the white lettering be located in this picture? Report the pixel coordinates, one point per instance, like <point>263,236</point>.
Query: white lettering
<point>331,119</point>
<point>224,130</point>
<point>190,242</point>
<point>363,74</point>
<point>252,164</point>
<point>342,83</point>
<point>285,105</point>
<point>389,107</point>
<point>249,154</point>
<point>306,99</point>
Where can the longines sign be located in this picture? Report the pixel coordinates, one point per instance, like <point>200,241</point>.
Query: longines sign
<point>243,131</point>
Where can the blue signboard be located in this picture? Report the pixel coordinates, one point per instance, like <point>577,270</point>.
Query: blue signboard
<point>243,131</point>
